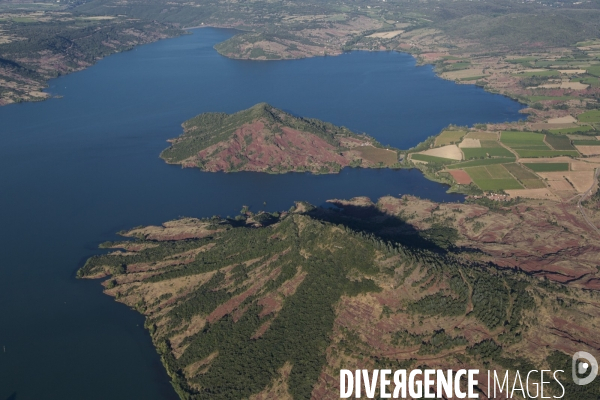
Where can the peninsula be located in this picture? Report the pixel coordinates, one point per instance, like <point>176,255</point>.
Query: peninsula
<point>266,139</point>
<point>272,305</point>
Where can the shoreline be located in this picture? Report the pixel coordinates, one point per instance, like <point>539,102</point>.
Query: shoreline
<point>419,61</point>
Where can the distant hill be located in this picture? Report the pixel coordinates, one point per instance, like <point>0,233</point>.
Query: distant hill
<point>266,139</point>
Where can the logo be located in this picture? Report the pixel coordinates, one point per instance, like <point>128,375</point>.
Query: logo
<point>588,367</point>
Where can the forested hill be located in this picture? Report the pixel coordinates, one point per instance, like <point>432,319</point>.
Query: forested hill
<point>272,305</point>
<point>264,138</point>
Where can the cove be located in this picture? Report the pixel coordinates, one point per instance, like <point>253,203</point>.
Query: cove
<point>75,170</point>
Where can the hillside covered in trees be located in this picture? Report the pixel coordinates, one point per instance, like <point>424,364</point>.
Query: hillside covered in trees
<point>272,305</point>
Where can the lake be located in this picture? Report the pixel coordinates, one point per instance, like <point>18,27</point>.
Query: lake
<point>75,170</point>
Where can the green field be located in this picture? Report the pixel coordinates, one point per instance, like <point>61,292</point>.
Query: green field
<point>519,172</point>
<point>487,136</point>
<point>478,173</point>
<point>590,116</point>
<point>498,171</point>
<point>585,128</point>
<point>586,142</point>
<point>536,153</point>
<point>529,144</point>
<point>590,80</point>
<point>485,152</point>
<point>559,142</point>
<point>520,140</point>
<point>498,184</point>
<point>485,178</point>
<point>594,70</point>
<point>525,177</point>
<point>476,163</point>
<point>433,159</point>
<point>547,167</point>
<point>449,137</point>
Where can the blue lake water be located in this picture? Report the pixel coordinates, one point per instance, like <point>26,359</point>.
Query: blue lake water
<point>75,170</point>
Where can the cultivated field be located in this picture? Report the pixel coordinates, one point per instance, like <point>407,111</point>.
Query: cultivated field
<point>386,35</point>
<point>493,177</point>
<point>590,116</point>
<point>449,137</point>
<point>522,140</point>
<point>584,128</point>
<point>482,135</point>
<point>589,150</point>
<point>541,194</point>
<point>461,177</point>
<point>529,144</point>
<point>579,181</point>
<point>477,163</point>
<point>559,142</point>
<point>562,120</point>
<point>547,167</point>
<point>592,141</point>
<point>486,152</point>
<point>469,143</point>
<point>426,158</point>
<point>377,155</point>
<point>450,151</point>
<point>524,176</point>
<point>545,153</point>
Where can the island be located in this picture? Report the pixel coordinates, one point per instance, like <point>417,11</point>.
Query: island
<point>273,305</point>
<point>266,139</point>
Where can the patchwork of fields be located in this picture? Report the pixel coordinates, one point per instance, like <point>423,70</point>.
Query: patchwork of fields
<point>530,144</point>
<point>530,164</point>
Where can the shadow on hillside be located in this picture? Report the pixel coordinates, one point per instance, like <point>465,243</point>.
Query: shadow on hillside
<point>369,219</point>
<point>12,396</point>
